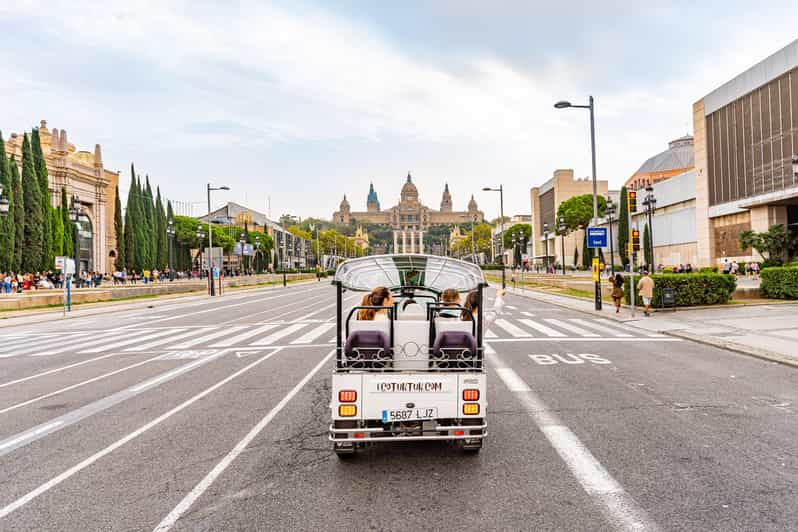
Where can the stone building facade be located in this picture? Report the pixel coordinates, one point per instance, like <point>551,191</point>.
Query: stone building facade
<point>746,139</point>
<point>409,218</point>
<point>82,174</point>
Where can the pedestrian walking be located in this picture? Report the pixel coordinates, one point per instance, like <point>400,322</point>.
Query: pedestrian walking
<point>755,270</point>
<point>617,291</point>
<point>645,287</point>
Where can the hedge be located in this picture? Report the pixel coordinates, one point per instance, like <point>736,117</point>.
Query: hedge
<point>779,283</point>
<point>690,289</point>
<point>491,267</point>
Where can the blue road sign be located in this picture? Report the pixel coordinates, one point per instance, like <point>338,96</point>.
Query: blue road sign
<point>597,237</point>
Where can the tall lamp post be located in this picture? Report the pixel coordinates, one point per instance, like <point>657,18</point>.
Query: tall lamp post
<point>590,107</point>
<point>75,212</point>
<point>258,260</point>
<point>211,288</point>
<point>242,239</point>
<point>200,239</point>
<point>546,242</point>
<point>562,229</point>
<point>170,233</point>
<point>650,203</point>
<point>610,213</point>
<point>500,190</point>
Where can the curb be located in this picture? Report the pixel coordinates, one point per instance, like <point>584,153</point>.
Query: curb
<point>762,354</point>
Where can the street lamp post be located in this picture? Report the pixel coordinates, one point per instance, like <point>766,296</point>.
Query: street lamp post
<point>500,190</point>
<point>170,233</point>
<point>211,288</point>
<point>590,107</point>
<point>258,260</point>
<point>562,228</point>
<point>650,203</point>
<point>242,239</point>
<point>610,213</point>
<point>200,239</point>
<point>546,242</point>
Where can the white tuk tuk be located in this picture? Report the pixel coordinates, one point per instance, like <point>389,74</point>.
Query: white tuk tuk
<point>419,375</point>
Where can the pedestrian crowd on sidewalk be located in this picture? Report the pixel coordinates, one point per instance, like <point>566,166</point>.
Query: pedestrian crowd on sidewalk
<point>750,269</point>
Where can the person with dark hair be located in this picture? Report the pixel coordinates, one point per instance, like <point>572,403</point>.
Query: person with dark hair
<point>379,297</point>
<point>489,316</point>
<point>617,291</point>
<point>450,298</point>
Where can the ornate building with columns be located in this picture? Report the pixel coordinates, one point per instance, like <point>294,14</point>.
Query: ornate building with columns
<point>409,219</point>
<point>83,175</point>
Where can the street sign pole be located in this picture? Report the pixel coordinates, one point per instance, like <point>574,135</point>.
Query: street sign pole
<point>630,251</point>
<point>596,239</point>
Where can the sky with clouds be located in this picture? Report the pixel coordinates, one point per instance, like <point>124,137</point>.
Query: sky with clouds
<point>302,101</point>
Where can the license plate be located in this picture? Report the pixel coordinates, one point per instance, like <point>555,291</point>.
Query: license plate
<point>409,414</point>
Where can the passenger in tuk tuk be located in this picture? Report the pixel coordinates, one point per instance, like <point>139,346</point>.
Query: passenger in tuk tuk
<point>489,316</point>
<point>379,297</point>
<point>450,298</point>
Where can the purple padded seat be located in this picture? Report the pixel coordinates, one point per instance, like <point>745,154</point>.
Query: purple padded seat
<point>458,345</point>
<point>363,347</point>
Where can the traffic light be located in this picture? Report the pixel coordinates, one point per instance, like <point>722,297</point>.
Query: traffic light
<point>635,240</point>
<point>632,197</point>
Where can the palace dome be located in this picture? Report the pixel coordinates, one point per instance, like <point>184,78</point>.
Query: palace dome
<point>409,190</point>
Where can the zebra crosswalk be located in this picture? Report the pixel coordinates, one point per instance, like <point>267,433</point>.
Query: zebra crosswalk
<point>294,333</point>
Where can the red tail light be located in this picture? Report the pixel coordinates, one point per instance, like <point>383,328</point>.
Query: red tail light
<point>459,433</point>
<point>358,435</point>
<point>347,396</point>
<point>471,395</point>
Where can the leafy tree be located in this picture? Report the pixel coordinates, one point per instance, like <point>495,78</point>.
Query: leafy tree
<point>32,250</point>
<point>301,233</point>
<point>649,256</point>
<point>578,211</point>
<point>523,229</point>
<point>119,229</point>
<point>68,246</point>
<point>776,244</point>
<point>18,200</point>
<point>40,166</point>
<point>623,227</point>
<point>6,224</point>
<point>287,220</point>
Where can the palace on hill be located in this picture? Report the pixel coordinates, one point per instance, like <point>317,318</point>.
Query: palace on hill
<point>409,218</point>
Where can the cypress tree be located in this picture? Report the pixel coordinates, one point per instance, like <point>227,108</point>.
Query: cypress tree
<point>161,241</point>
<point>148,211</point>
<point>587,256</point>
<point>32,250</point>
<point>623,227</point>
<point>647,247</point>
<point>131,261</point>
<point>7,223</point>
<point>576,256</point>
<point>40,166</point>
<point>119,229</point>
<point>68,246</point>
<point>57,225</point>
<point>19,216</point>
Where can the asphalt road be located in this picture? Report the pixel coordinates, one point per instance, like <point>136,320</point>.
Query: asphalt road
<point>212,414</point>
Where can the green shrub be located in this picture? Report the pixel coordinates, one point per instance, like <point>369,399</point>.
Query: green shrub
<point>491,267</point>
<point>779,283</point>
<point>690,289</point>
<point>708,269</point>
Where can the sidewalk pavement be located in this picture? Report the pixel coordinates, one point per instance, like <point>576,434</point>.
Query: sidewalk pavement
<point>763,331</point>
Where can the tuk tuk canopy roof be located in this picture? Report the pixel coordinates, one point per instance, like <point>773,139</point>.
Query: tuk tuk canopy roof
<point>424,271</point>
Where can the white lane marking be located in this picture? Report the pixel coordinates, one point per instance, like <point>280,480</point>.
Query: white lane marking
<point>311,335</point>
<point>570,327</point>
<point>169,375</point>
<point>168,339</point>
<point>511,379</point>
<point>491,334</point>
<point>78,385</point>
<point>617,506</point>
<point>586,339</point>
<point>55,370</point>
<point>63,344</point>
<point>511,307</point>
<point>591,324</point>
<point>515,331</point>
<point>527,314</point>
<point>224,332</point>
<point>245,335</point>
<point>489,350</point>
<point>611,323</point>
<point>122,343</point>
<point>30,434</point>
<point>274,337</point>
<point>29,344</point>
<point>548,331</point>
<point>169,521</point>
<point>43,488</point>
